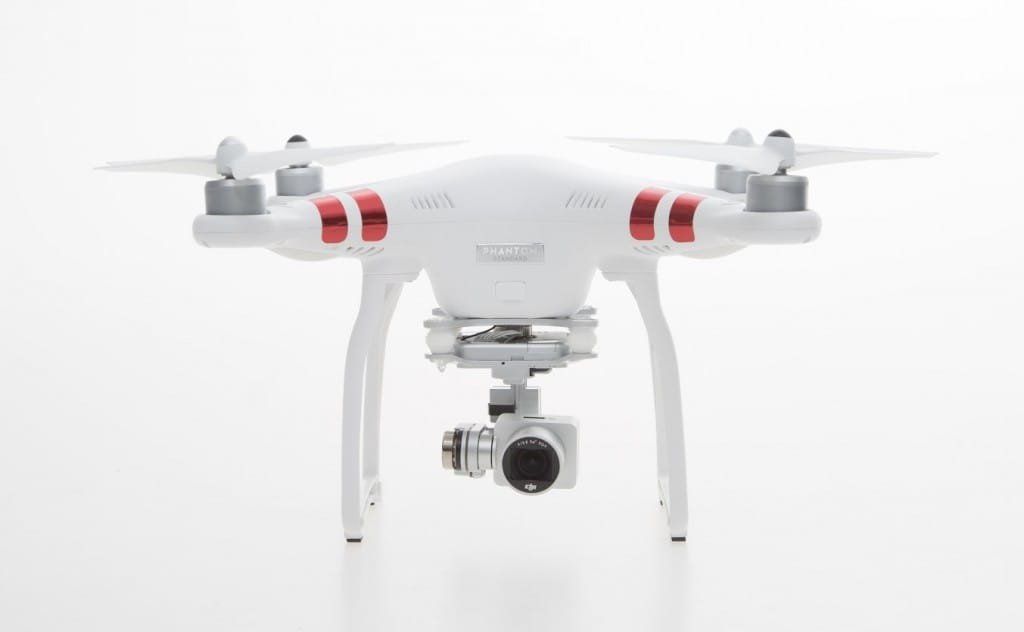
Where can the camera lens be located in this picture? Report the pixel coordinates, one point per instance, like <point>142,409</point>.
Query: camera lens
<point>530,464</point>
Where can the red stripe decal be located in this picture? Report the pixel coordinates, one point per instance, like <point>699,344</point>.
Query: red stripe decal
<point>680,218</point>
<point>333,220</point>
<point>375,217</point>
<point>641,218</point>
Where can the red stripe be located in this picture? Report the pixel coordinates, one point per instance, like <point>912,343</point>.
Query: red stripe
<point>375,217</point>
<point>333,220</point>
<point>641,218</point>
<point>680,218</point>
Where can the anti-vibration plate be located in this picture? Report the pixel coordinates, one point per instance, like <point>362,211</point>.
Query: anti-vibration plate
<point>511,346</point>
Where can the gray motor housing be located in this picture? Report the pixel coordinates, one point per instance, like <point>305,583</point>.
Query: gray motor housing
<point>236,197</point>
<point>777,193</point>
<point>731,179</point>
<point>299,180</point>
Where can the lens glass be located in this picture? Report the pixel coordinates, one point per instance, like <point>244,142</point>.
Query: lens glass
<point>530,465</point>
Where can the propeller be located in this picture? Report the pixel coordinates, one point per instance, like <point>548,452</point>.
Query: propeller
<point>777,154</point>
<point>234,160</point>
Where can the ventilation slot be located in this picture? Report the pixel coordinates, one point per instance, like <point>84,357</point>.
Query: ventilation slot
<point>582,199</point>
<point>364,251</point>
<point>431,201</point>
<point>652,250</point>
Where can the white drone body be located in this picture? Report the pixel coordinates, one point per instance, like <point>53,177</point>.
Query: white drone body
<point>510,245</point>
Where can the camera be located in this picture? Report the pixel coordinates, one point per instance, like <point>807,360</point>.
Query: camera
<point>529,453</point>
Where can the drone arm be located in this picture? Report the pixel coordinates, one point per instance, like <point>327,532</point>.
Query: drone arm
<point>668,220</point>
<point>318,228</point>
<point>281,225</point>
<point>731,225</point>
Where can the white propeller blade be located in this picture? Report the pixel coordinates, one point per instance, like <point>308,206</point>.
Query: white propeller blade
<point>205,166</point>
<point>814,155</point>
<point>753,158</point>
<point>757,158</point>
<point>264,162</point>
<point>233,160</point>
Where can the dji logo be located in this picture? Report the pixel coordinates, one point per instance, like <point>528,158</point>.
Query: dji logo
<point>530,487</point>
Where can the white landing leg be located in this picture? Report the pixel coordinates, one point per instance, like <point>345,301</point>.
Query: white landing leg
<point>668,410</point>
<point>364,371</point>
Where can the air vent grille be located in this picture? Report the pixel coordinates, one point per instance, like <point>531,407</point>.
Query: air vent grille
<point>432,201</point>
<point>364,251</point>
<point>584,199</point>
<point>652,250</point>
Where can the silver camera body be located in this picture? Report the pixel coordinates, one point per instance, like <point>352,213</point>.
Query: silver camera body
<point>529,453</point>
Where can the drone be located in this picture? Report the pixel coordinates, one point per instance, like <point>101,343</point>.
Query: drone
<point>510,244</point>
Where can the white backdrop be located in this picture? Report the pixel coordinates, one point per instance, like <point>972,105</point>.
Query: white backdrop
<point>169,416</point>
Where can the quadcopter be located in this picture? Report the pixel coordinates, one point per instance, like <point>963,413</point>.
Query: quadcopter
<point>510,244</point>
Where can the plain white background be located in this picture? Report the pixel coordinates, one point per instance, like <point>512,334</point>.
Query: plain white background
<point>170,416</point>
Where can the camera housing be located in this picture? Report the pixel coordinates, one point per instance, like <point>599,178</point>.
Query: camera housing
<point>529,453</point>
<point>535,453</point>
